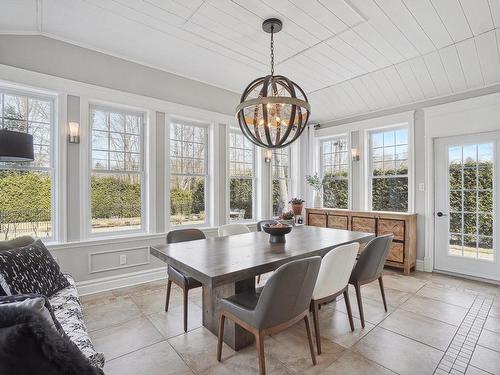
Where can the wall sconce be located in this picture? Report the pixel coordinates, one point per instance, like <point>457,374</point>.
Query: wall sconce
<point>73,132</point>
<point>268,154</point>
<point>355,154</point>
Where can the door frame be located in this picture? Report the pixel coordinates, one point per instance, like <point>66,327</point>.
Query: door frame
<point>473,138</point>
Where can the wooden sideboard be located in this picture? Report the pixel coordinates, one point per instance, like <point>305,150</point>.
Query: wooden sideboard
<point>403,252</point>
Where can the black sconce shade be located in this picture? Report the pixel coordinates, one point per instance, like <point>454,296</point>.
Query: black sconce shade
<point>16,146</point>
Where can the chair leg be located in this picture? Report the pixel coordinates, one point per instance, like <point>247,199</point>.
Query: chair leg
<point>167,299</point>
<point>381,283</point>
<point>185,309</point>
<point>360,305</point>
<point>258,279</point>
<point>348,307</point>
<point>221,337</point>
<point>309,337</point>
<point>315,315</point>
<point>259,339</point>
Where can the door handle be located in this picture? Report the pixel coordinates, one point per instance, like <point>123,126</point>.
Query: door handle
<point>440,214</point>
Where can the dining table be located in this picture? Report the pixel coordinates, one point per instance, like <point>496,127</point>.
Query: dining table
<point>228,265</point>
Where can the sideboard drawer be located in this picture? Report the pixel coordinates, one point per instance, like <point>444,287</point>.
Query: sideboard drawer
<point>397,252</point>
<point>338,222</point>
<point>363,224</point>
<point>317,220</point>
<point>388,226</point>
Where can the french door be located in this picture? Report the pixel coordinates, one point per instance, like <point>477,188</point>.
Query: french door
<point>466,205</point>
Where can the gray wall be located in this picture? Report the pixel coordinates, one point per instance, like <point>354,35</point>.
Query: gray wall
<point>53,57</point>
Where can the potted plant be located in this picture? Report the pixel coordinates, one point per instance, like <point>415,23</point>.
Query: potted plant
<point>297,205</point>
<point>287,217</point>
<point>317,184</point>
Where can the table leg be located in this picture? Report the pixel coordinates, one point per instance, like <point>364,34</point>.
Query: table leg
<point>234,336</point>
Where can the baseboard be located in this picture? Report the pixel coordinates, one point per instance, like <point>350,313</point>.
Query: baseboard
<point>419,265</point>
<point>120,281</point>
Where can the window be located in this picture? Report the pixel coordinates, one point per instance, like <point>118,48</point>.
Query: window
<point>241,176</point>
<point>389,169</point>
<point>188,173</point>
<point>116,181</point>
<point>335,171</point>
<point>27,188</point>
<point>281,180</point>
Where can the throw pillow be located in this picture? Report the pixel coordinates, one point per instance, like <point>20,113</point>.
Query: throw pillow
<point>30,269</point>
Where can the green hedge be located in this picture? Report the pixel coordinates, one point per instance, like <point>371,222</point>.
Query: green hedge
<point>115,197</point>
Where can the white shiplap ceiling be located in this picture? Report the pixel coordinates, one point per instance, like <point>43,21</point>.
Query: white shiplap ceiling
<point>350,56</point>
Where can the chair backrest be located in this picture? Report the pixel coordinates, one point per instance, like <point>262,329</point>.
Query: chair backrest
<point>261,223</point>
<point>287,292</point>
<point>371,261</point>
<point>336,268</point>
<point>181,235</point>
<point>231,229</point>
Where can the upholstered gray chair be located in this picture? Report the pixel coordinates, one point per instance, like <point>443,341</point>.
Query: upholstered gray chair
<point>369,268</point>
<point>261,223</point>
<point>281,303</point>
<point>185,282</point>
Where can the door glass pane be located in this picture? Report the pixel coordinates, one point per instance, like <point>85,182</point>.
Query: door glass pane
<point>470,201</point>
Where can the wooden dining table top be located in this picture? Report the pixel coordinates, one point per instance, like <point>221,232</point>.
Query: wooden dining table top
<point>220,260</point>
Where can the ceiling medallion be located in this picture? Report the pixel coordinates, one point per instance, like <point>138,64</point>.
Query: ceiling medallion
<point>273,110</point>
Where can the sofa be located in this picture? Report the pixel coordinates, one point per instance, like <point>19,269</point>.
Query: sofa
<point>67,318</point>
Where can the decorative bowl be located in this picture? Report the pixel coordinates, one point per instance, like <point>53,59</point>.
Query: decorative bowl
<point>277,234</point>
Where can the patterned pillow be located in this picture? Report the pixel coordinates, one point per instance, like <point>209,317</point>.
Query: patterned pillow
<point>30,269</point>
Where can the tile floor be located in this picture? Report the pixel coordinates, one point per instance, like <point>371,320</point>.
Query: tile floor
<point>435,324</point>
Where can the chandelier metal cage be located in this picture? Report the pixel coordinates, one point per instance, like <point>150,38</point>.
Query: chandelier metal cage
<point>273,110</point>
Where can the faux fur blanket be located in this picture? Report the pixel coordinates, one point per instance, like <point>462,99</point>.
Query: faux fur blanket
<point>30,345</point>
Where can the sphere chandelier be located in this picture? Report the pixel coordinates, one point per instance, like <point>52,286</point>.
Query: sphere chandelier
<point>273,110</point>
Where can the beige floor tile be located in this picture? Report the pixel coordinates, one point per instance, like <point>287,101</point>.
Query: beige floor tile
<point>157,359</point>
<point>352,363</point>
<point>421,328</point>
<point>479,287</point>
<point>373,310</point>
<point>198,349</point>
<point>111,313</point>
<point>434,309</point>
<point>291,348</point>
<point>151,302</point>
<point>397,353</point>
<point>451,296</point>
<point>141,288</point>
<point>495,311</point>
<point>490,340</point>
<point>334,326</point>
<point>171,323</point>
<point>97,298</point>
<point>125,338</point>
<point>245,362</point>
<point>486,359</point>
<point>403,283</point>
<point>394,297</point>
<point>492,324</point>
<point>471,370</point>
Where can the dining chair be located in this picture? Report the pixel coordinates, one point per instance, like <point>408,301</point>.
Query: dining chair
<point>281,303</point>
<point>185,282</point>
<point>333,280</point>
<point>369,268</point>
<point>232,229</point>
<point>261,223</point>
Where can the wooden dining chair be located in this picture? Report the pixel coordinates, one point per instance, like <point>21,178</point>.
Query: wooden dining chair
<point>369,268</point>
<point>185,282</point>
<point>232,229</point>
<point>333,280</point>
<point>281,303</point>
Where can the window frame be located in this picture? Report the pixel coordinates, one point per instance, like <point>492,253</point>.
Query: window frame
<point>335,137</point>
<point>56,188</point>
<point>206,126</point>
<point>369,164</point>
<point>235,130</point>
<point>142,172</point>
<point>289,179</point>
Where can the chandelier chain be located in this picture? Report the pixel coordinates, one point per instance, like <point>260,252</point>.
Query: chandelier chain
<point>272,50</point>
